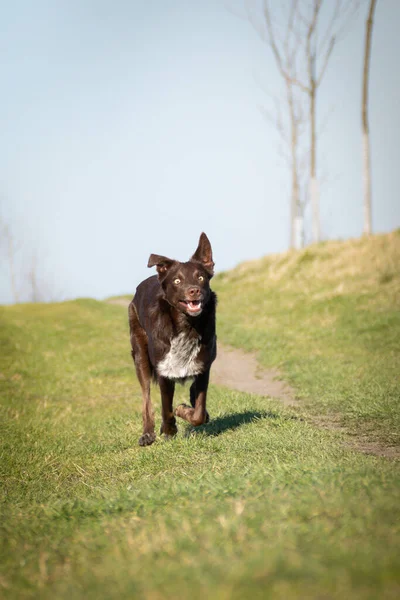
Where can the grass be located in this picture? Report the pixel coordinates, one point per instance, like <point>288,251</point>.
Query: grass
<point>259,503</point>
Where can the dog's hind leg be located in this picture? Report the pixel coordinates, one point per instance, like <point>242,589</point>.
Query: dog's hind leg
<point>167,388</point>
<point>144,375</point>
<point>143,370</point>
<point>196,414</point>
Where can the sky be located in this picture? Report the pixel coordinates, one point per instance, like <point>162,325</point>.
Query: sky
<point>128,128</point>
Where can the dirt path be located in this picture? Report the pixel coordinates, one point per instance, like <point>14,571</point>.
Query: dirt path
<point>238,370</point>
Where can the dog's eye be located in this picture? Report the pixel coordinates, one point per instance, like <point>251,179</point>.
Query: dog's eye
<point>200,278</point>
<point>177,281</point>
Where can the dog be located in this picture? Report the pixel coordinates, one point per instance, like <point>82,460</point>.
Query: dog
<point>172,333</point>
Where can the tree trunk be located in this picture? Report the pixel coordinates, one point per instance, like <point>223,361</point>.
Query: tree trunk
<point>299,226</point>
<point>11,263</point>
<point>367,229</point>
<point>295,199</point>
<point>293,214</point>
<point>314,191</point>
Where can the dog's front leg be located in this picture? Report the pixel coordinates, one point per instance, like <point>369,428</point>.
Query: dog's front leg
<point>193,398</point>
<point>196,414</point>
<point>167,388</point>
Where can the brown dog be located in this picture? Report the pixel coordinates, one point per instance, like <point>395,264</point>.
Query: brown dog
<point>172,329</point>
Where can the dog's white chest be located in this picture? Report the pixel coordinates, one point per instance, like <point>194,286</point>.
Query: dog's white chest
<point>181,361</point>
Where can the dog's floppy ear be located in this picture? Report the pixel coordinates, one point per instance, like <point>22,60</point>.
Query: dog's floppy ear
<point>203,254</point>
<point>162,263</point>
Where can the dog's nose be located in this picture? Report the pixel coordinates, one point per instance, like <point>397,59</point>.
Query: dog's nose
<point>193,292</point>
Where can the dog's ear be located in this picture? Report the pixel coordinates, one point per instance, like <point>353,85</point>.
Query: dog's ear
<point>203,254</point>
<point>162,263</point>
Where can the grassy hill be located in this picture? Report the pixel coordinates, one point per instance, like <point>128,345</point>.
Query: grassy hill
<point>261,502</point>
<point>329,317</point>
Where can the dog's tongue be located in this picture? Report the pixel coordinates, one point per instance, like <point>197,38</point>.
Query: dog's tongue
<point>194,306</point>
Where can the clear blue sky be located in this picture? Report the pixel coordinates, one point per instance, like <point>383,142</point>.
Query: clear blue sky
<point>129,127</point>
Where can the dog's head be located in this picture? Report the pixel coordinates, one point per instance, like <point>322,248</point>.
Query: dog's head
<point>186,285</point>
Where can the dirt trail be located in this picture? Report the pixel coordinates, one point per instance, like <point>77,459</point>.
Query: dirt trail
<point>238,370</point>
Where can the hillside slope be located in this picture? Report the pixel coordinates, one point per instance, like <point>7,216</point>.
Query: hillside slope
<point>329,318</point>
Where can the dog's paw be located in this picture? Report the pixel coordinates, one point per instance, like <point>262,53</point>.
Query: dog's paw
<point>182,409</point>
<point>147,439</point>
<point>188,413</point>
<point>169,430</point>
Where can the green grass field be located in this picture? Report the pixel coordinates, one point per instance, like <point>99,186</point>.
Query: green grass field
<point>264,501</point>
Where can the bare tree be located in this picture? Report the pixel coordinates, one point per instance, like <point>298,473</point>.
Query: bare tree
<point>320,41</point>
<point>285,45</point>
<point>10,250</point>
<point>302,62</point>
<point>24,267</point>
<point>288,118</point>
<point>297,206</point>
<point>367,229</point>
<point>32,279</point>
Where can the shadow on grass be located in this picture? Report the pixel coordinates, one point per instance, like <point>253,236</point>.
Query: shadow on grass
<point>230,421</point>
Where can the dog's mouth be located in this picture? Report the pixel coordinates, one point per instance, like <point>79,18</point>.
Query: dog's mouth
<point>193,307</point>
